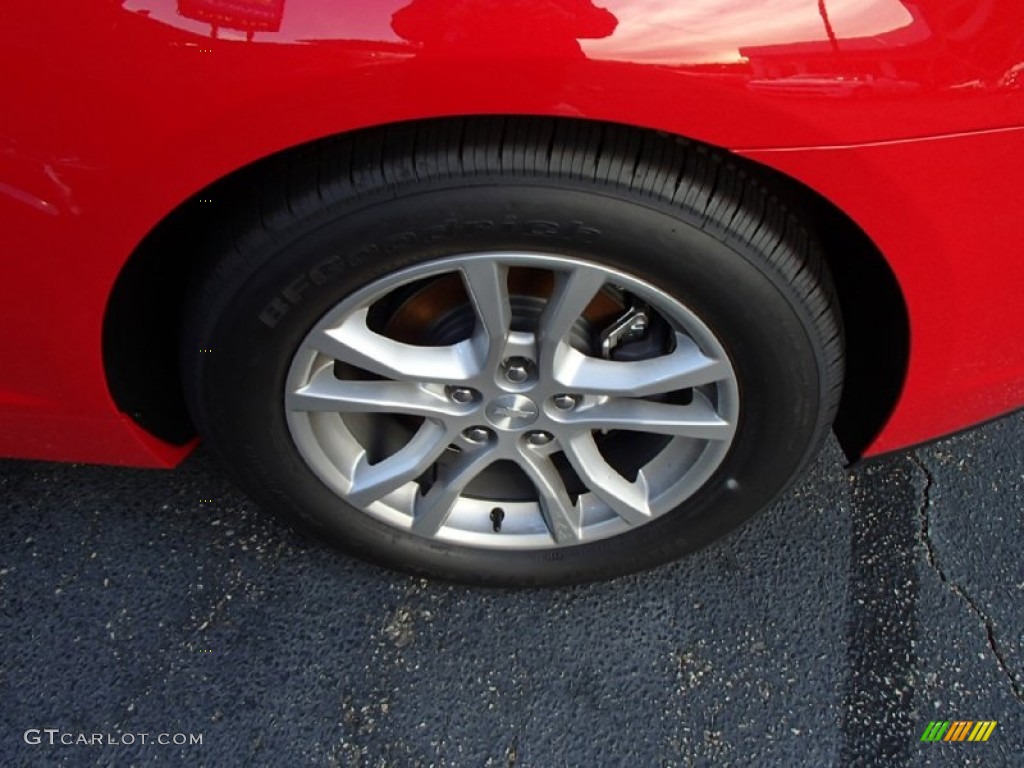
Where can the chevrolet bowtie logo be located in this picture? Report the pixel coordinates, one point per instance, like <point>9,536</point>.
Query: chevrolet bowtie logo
<point>512,412</point>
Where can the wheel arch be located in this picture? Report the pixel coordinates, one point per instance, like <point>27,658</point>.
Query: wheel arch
<point>142,317</point>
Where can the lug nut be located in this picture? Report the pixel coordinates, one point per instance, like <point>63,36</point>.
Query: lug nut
<point>564,402</point>
<point>477,434</point>
<point>462,395</point>
<point>539,438</point>
<point>517,369</point>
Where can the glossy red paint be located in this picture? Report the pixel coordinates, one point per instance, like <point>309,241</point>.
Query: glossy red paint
<point>955,245</point>
<point>905,115</point>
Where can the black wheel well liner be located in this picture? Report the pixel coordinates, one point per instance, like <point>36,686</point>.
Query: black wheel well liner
<point>142,320</point>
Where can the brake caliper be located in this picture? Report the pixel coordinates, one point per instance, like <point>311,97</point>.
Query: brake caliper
<point>638,334</point>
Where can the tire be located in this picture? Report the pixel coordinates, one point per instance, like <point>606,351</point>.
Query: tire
<point>513,351</point>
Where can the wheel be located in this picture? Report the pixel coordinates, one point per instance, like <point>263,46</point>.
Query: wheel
<point>514,351</point>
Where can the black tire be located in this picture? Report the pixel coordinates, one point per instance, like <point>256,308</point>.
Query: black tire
<point>674,214</point>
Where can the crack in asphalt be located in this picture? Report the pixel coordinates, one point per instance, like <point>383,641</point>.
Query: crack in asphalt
<point>953,586</point>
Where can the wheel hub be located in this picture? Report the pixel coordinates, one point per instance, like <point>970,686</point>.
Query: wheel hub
<point>512,412</point>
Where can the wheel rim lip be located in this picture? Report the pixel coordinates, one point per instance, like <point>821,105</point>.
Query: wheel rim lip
<point>320,438</point>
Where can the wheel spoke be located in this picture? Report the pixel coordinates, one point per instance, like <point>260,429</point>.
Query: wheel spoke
<point>371,482</point>
<point>432,509</point>
<point>325,392</point>
<point>561,516</point>
<point>697,419</point>
<point>685,367</point>
<point>572,293</point>
<point>486,282</point>
<point>628,500</point>
<point>353,342</point>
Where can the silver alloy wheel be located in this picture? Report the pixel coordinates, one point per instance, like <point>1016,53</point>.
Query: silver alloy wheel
<point>504,394</point>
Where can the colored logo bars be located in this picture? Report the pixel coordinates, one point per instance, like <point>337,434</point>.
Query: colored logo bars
<point>958,730</point>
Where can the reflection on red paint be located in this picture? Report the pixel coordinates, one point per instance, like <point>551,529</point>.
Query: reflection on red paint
<point>249,16</point>
<point>526,29</point>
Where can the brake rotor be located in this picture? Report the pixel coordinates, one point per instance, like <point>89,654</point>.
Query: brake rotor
<point>440,311</point>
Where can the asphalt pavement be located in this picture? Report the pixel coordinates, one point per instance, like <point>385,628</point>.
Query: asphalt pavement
<point>144,606</point>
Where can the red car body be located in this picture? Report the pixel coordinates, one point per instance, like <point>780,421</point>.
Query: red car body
<point>906,117</point>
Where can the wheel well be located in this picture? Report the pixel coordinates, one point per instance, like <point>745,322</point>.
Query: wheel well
<point>875,319</point>
<point>143,317</point>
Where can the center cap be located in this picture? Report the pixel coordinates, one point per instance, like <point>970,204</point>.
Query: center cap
<point>512,412</point>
